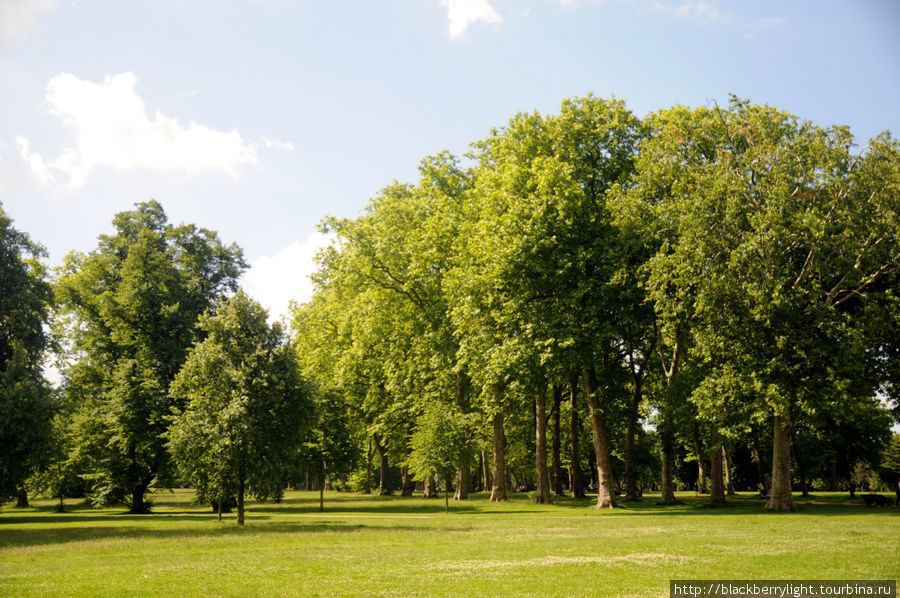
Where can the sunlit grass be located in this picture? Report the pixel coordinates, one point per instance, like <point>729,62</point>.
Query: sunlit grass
<point>393,546</point>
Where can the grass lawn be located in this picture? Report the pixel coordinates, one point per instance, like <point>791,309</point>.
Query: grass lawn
<point>393,546</point>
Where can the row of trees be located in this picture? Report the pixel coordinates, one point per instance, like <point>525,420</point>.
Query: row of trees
<point>700,285</point>
<point>709,272</point>
<point>169,371</point>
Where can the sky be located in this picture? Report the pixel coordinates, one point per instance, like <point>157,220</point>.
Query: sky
<point>257,118</point>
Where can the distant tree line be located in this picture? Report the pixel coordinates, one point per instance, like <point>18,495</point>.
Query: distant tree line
<point>704,298</point>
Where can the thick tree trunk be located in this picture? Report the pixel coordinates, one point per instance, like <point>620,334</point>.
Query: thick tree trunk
<point>240,501</point>
<point>557,464</point>
<point>780,498</point>
<point>21,498</point>
<point>631,492</point>
<point>408,485</point>
<point>605,483</point>
<point>327,485</point>
<point>219,509</point>
<point>729,480</point>
<point>137,500</point>
<point>498,489</point>
<point>430,488</point>
<point>701,487</point>
<point>716,479</point>
<point>463,478</point>
<point>384,481</point>
<point>575,473</point>
<point>542,474</point>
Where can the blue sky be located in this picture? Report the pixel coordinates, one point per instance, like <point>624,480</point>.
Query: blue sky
<point>256,118</point>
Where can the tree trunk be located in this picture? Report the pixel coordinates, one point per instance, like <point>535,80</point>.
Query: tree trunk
<point>701,487</point>
<point>486,472</point>
<point>446,493</point>
<point>605,492</point>
<point>327,483</point>
<point>21,498</point>
<point>542,474</point>
<point>760,467</point>
<point>219,509</point>
<point>729,480</point>
<point>368,487</point>
<point>780,498</point>
<point>667,428</point>
<point>240,501</point>
<point>716,483</point>
<point>408,485</point>
<point>137,500</point>
<point>557,465</point>
<point>61,507</point>
<point>322,494</point>
<point>384,483</point>
<point>801,470</point>
<point>430,489</point>
<point>667,442</point>
<point>577,477</point>
<point>631,492</point>
<point>498,489</point>
<point>463,476</point>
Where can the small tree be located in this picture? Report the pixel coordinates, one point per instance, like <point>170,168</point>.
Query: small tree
<point>329,448</point>
<point>243,407</point>
<point>440,445</point>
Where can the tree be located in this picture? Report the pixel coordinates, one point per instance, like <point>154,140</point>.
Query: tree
<point>129,313</point>
<point>242,406</point>
<point>534,290</point>
<point>779,248</point>
<point>329,449</point>
<point>26,408</point>
<point>441,445</point>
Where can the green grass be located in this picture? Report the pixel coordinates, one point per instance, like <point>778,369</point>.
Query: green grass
<point>393,546</point>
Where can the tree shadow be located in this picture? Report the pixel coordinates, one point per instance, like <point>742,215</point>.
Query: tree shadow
<point>39,536</point>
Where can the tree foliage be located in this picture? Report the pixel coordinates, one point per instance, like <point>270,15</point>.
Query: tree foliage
<point>241,406</point>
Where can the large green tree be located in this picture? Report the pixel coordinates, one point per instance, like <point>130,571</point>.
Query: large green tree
<point>242,408</point>
<point>779,246</point>
<point>129,313</point>
<point>25,406</point>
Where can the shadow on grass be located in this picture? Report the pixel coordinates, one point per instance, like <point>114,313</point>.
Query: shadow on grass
<point>24,537</point>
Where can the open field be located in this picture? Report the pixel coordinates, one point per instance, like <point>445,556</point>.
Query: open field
<point>371,546</point>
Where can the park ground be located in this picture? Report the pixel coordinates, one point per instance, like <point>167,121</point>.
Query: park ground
<point>394,546</point>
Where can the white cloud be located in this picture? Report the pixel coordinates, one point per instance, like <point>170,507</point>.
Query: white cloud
<point>462,13</point>
<point>17,17</point>
<point>276,281</point>
<point>112,129</point>
<point>282,145</point>
<point>694,9</point>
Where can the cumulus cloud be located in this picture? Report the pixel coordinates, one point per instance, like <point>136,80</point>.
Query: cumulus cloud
<point>112,129</point>
<point>462,13</point>
<point>277,280</point>
<point>17,18</point>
